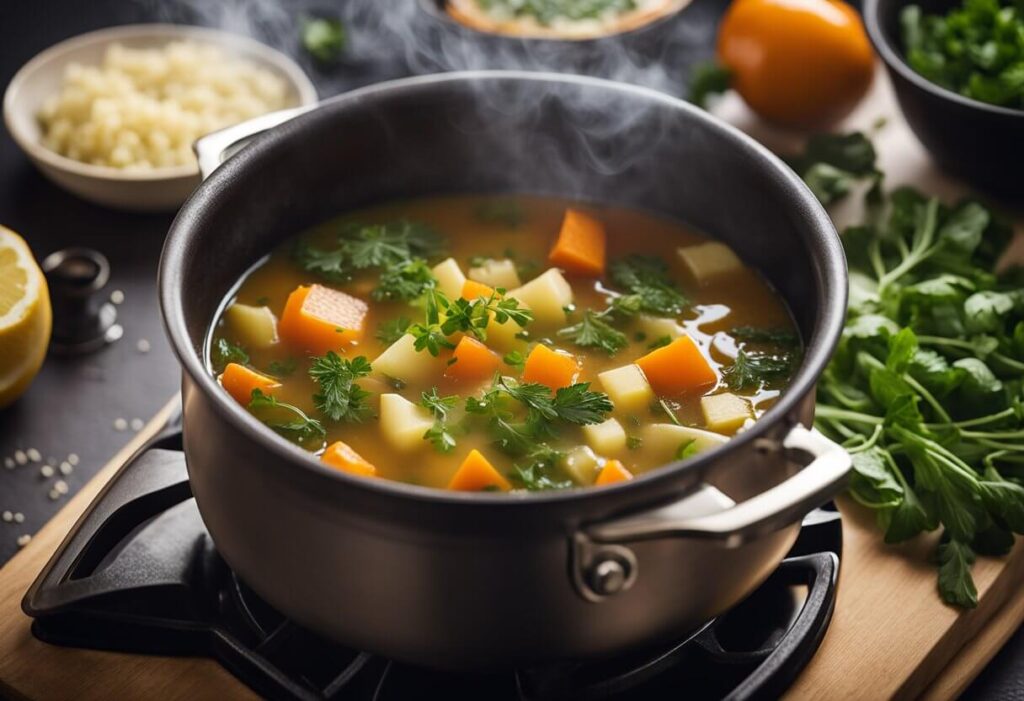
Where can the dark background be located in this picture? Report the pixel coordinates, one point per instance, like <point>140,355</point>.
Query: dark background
<point>73,404</point>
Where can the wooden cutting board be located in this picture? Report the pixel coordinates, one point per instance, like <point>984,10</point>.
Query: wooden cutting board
<point>890,637</point>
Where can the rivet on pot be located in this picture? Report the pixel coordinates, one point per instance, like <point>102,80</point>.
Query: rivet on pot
<point>608,577</point>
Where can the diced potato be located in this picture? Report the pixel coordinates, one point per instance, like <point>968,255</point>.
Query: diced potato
<point>606,438</point>
<point>706,261</point>
<point>496,273</point>
<point>546,295</point>
<point>627,388</point>
<point>449,278</point>
<point>402,361</point>
<point>503,336</point>
<point>581,465</point>
<point>664,440</point>
<point>725,412</point>
<point>658,327</point>
<point>254,327</point>
<point>403,423</point>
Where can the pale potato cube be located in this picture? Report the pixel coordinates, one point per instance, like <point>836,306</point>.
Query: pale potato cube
<point>607,437</point>
<point>581,465</point>
<point>546,295</point>
<point>658,327</point>
<point>402,361</point>
<point>725,412</point>
<point>707,261</point>
<point>664,440</point>
<point>502,337</point>
<point>254,327</point>
<point>403,423</point>
<point>627,388</point>
<point>449,278</point>
<point>496,273</point>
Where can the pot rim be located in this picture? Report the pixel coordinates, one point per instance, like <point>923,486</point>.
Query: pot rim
<point>823,241</point>
<point>894,61</point>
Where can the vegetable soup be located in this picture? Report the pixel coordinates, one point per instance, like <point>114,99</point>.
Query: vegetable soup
<point>513,343</point>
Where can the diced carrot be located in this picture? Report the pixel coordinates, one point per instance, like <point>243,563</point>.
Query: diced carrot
<point>677,368</point>
<point>580,247</point>
<point>476,474</point>
<point>341,456</point>
<point>554,369</point>
<point>472,361</point>
<point>471,289</point>
<point>317,319</point>
<point>612,472</point>
<point>240,381</point>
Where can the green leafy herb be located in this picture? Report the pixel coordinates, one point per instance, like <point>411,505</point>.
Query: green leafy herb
<point>593,332</point>
<point>539,471</point>
<point>323,38</point>
<point>648,279</point>
<point>752,370</point>
<point>547,11</point>
<point>440,434</point>
<point>340,398</point>
<point>777,337</point>
<point>391,330</point>
<point>361,247</point>
<point>708,78</point>
<point>515,359</point>
<point>686,449</point>
<point>282,368</point>
<point>287,419</point>
<point>634,442</point>
<point>832,164</point>
<point>659,343</point>
<point>224,352</point>
<point>445,317</point>
<point>404,281</point>
<point>975,49</point>
<point>926,387</point>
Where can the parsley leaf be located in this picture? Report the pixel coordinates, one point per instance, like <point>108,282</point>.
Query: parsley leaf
<point>391,330</point>
<point>445,317</point>
<point>440,435</point>
<point>593,332</point>
<point>515,359</point>
<point>752,334</point>
<point>361,247</point>
<point>225,352</point>
<point>286,419</point>
<point>539,471</point>
<point>340,398</point>
<point>707,79</point>
<point>752,370</point>
<point>648,278</point>
<point>282,368</point>
<point>404,281</point>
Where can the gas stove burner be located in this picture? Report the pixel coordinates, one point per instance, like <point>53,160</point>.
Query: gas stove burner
<point>139,573</point>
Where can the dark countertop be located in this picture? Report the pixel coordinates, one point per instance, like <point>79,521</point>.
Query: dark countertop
<point>74,403</point>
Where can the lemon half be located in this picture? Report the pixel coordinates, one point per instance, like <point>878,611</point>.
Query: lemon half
<point>25,317</point>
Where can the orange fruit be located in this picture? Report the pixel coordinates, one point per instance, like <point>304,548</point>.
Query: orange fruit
<point>801,63</point>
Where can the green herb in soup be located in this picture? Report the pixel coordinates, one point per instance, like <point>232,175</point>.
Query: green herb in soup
<point>547,11</point>
<point>598,344</point>
<point>976,49</point>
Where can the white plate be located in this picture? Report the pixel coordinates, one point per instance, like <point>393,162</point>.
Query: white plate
<point>157,190</point>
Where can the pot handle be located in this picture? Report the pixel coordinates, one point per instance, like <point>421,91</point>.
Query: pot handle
<point>602,566</point>
<point>216,147</point>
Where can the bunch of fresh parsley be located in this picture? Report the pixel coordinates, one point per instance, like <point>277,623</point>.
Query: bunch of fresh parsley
<point>339,397</point>
<point>926,389</point>
<point>976,49</point>
<point>445,317</point>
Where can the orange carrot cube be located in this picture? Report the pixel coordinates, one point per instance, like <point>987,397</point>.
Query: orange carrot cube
<point>317,319</point>
<point>580,247</point>
<point>239,381</point>
<point>341,456</point>
<point>612,472</point>
<point>677,368</point>
<point>553,369</point>
<point>471,289</point>
<point>472,361</point>
<point>476,474</point>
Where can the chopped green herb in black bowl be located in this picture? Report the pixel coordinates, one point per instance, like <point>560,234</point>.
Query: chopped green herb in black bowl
<point>948,73</point>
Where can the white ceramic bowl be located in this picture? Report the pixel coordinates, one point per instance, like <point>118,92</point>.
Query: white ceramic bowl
<point>157,190</point>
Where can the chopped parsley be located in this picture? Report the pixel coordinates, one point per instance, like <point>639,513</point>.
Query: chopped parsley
<point>547,11</point>
<point>593,332</point>
<point>445,317</point>
<point>282,368</point>
<point>404,281</point>
<point>440,435</point>
<point>286,419</point>
<point>224,352</point>
<point>648,279</point>
<point>751,370</point>
<point>340,398</point>
<point>539,471</point>
<point>362,247</point>
<point>391,330</point>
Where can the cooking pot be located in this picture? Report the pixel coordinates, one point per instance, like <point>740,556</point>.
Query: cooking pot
<point>478,581</point>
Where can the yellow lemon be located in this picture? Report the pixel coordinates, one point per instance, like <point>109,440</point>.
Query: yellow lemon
<point>25,317</point>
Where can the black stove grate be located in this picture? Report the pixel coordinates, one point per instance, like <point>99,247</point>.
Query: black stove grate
<point>139,573</point>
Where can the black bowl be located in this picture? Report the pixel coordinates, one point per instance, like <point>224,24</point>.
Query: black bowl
<point>982,143</point>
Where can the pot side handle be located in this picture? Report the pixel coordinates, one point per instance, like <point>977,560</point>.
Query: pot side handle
<point>218,146</point>
<point>603,566</point>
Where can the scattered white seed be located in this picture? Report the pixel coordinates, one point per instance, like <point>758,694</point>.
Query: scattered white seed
<point>117,296</point>
<point>120,424</point>
<point>60,486</point>
<point>143,345</point>
<point>20,457</point>
<point>33,455</point>
<point>137,424</point>
<point>9,463</point>
<point>73,458</point>
<point>23,540</point>
<point>46,471</point>
<point>19,517</point>
<point>66,468</point>
<point>54,495</point>
<point>7,516</point>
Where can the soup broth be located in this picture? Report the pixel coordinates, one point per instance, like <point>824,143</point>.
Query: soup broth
<point>628,341</point>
